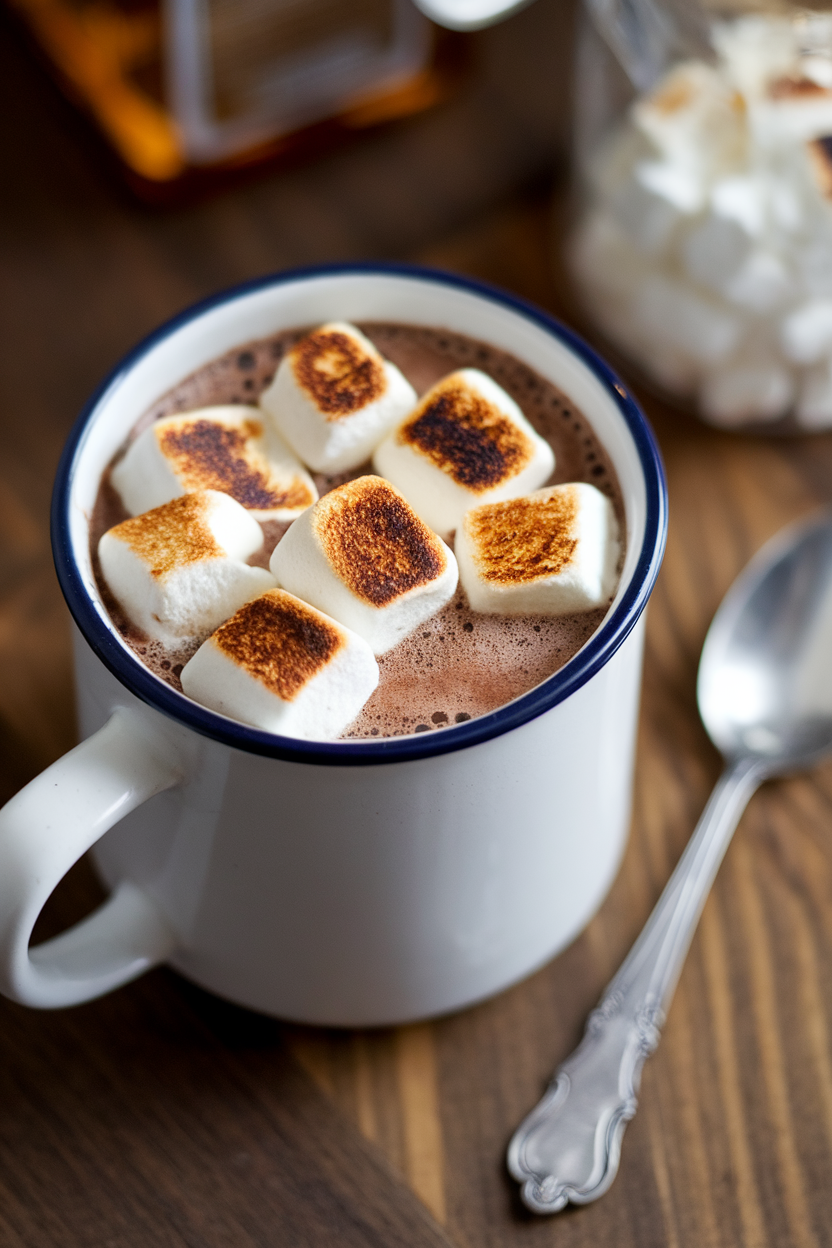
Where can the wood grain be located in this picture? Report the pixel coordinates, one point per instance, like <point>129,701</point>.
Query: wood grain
<point>420,1112</point>
<point>162,1116</point>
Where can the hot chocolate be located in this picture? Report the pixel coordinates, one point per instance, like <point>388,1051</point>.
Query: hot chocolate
<point>459,663</point>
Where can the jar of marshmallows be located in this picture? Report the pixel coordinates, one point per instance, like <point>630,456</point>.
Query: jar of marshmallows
<point>703,245</point>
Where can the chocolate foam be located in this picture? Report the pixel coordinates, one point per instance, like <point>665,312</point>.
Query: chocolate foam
<point>171,536</point>
<point>459,664</point>
<point>465,436</point>
<point>338,373</point>
<point>214,454</point>
<point>375,542</point>
<point>280,641</point>
<point>525,539</point>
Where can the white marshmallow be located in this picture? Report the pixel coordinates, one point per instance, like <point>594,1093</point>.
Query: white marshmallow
<point>672,369</point>
<point>813,262</point>
<point>695,119</point>
<point>806,333</point>
<point>610,271</point>
<point>741,198</point>
<point>334,397</point>
<point>177,571</point>
<point>229,448</point>
<point>721,253</point>
<point>363,555</point>
<point>755,50</point>
<point>792,113</point>
<point>282,666</point>
<point>610,166</point>
<point>814,404</point>
<point>681,186</point>
<point>743,394</point>
<point>648,218</point>
<point>466,443</point>
<point>714,251</point>
<point>789,208</point>
<point>762,283</point>
<point>551,552</point>
<point>604,259</point>
<point>817,69</point>
<point>741,283</point>
<point>672,315</point>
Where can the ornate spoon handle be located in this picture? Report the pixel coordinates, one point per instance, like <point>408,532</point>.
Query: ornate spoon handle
<point>568,1147</point>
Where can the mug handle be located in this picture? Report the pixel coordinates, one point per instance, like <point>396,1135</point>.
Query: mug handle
<point>44,830</point>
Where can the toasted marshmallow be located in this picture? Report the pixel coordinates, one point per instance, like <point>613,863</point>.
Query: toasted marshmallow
<point>548,553</point>
<point>755,50</point>
<point>177,571</point>
<point>696,120</point>
<point>229,448</point>
<point>284,667</point>
<point>466,443</point>
<point>334,397</point>
<point>793,109</point>
<point>731,299</point>
<point>363,555</point>
<point>820,157</point>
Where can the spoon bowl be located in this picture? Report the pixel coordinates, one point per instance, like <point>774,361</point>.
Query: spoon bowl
<point>765,676</point>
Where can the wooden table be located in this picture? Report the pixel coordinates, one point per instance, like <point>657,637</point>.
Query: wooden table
<point>163,1116</point>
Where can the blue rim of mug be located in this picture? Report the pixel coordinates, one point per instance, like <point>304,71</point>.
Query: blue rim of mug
<point>612,632</point>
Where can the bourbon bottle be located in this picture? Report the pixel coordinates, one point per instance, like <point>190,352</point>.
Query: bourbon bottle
<point>189,92</point>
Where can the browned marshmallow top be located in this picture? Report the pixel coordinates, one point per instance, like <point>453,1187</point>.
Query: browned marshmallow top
<point>797,89</point>
<point>680,92</point>
<point>820,154</point>
<point>375,542</point>
<point>339,374</point>
<point>524,539</point>
<point>170,536</point>
<point>212,454</point>
<point>280,641</point>
<point>466,436</point>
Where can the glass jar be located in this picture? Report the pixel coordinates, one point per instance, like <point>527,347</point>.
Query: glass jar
<point>703,249</point>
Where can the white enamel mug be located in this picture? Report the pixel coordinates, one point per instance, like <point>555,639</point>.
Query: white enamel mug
<point>349,882</point>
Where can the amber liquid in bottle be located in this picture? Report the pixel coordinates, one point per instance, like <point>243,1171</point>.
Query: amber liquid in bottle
<point>189,92</point>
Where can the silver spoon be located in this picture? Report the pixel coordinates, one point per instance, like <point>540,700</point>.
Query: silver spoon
<point>765,697</point>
